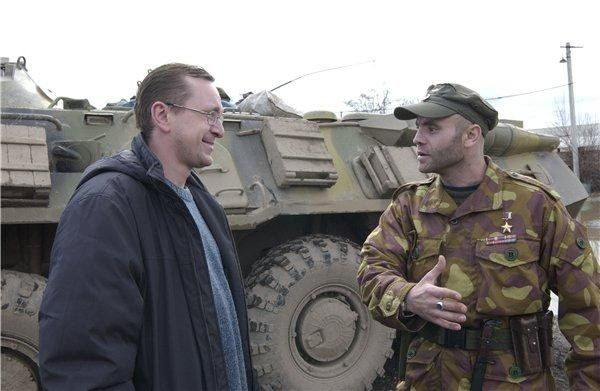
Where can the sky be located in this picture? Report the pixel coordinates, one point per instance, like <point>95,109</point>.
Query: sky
<point>100,49</point>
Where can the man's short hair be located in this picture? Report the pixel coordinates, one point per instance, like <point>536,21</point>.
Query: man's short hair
<point>462,123</point>
<point>165,84</point>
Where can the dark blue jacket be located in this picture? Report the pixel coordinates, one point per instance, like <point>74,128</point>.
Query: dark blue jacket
<point>128,303</point>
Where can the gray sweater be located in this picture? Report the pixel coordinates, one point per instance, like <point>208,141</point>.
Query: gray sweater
<point>228,324</point>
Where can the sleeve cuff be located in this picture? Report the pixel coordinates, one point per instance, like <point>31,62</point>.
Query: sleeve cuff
<point>390,308</point>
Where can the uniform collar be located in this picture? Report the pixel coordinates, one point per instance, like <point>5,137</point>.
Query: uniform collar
<point>488,196</point>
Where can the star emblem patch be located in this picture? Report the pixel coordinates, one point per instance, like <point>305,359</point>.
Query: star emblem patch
<point>506,227</point>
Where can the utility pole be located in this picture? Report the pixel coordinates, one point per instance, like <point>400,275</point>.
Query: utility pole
<point>574,133</point>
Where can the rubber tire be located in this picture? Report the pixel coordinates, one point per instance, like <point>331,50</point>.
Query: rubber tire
<point>21,299</point>
<point>276,287</point>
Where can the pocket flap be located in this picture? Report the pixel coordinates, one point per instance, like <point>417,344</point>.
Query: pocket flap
<point>427,247</point>
<point>518,253</point>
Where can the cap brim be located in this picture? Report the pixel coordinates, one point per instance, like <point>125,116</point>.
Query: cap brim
<point>423,109</point>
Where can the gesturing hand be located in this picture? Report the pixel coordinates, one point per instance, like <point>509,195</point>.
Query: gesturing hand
<point>423,300</point>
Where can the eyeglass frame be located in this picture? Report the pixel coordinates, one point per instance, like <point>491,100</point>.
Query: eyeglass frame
<point>212,116</point>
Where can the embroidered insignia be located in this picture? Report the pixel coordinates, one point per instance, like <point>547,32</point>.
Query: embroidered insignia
<point>500,239</point>
<point>506,227</point>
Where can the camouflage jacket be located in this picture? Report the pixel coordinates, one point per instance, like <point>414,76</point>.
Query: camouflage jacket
<point>496,278</point>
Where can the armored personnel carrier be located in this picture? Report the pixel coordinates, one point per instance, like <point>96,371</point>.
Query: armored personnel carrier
<point>301,195</point>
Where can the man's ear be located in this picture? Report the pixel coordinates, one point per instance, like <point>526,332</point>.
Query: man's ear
<point>159,112</point>
<point>472,135</point>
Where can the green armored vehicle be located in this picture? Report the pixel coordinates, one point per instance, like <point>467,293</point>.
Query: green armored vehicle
<point>301,195</point>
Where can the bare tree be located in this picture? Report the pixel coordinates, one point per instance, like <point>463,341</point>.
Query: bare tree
<point>588,128</point>
<point>371,102</point>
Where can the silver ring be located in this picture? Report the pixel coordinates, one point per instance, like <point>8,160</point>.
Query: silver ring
<point>440,305</point>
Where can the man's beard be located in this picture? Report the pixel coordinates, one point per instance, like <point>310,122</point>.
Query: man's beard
<point>189,156</point>
<point>440,159</point>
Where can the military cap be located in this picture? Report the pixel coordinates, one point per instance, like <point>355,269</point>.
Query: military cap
<point>445,99</point>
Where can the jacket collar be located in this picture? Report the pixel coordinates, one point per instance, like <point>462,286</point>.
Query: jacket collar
<point>488,196</point>
<point>148,159</point>
<point>153,165</point>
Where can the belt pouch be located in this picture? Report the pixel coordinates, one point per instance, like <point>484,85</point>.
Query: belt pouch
<point>482,360</point>
<point>545,322</point>
<point>526,343</point>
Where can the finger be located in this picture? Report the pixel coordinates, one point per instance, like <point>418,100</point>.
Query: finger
<point>433,274</point>
<point>443,293</point>
<point>450,316</point>
<point>446,324</point>
<point>454,306</point>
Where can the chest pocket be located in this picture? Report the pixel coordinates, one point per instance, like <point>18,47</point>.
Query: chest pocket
<point>423,258</point>
<point>512,283</point>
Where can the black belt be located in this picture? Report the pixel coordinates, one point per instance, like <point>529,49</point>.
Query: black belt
<point>465,338</point>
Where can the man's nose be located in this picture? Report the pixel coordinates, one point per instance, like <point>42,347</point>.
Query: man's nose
<point>218,130</point>
<point>417,138</point>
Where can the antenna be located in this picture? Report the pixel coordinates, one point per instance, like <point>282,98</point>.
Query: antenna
<point>322,70</point>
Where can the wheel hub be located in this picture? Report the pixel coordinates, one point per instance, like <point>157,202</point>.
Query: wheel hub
<point>329,331</point>
<point>326,329</point>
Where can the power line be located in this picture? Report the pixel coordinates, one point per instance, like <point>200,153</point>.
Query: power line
<point>527,93</point>
<point>512,95</point>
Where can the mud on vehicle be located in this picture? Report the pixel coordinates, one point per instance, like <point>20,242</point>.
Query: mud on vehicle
<point>301,195</point>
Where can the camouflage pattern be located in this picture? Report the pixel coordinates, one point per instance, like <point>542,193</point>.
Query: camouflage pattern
<point>496,274</point>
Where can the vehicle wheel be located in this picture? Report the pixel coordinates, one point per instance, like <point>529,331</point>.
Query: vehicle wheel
<point>21,299</point>
<point>308,328</point>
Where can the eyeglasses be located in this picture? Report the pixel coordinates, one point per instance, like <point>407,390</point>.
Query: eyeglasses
<point>212,117</point>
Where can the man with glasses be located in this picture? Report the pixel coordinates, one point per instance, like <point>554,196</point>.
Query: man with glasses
<point>145,289</point>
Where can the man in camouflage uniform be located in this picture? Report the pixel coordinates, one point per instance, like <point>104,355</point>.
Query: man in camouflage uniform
<point>465,261</point>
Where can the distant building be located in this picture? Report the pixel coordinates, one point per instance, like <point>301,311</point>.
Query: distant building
<point>589,151</point>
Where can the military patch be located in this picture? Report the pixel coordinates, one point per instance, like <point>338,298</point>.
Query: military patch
<point>500,239</point>
<point>506,227</point>
<point>511,254</point>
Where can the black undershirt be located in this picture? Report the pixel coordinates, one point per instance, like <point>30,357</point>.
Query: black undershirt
<point>459,194</point>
